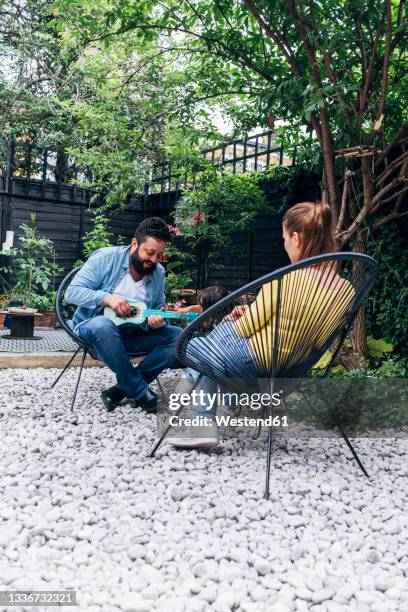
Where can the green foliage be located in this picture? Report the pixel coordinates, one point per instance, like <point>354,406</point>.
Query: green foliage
<point>177,276</point>
<point>219,205</point>
<point>99,237</point>
<point>227,59</point>
<point>387,304</point>
<point>392,367</point>
<point>216,206</point>
<point>368,399</point>
<point>36,74</point>
<point>35,268</point>
<point>5,298</point>
<point>176,281</point>
<point>376,349</point>
<point>284,179</point>
<point>44,302</point>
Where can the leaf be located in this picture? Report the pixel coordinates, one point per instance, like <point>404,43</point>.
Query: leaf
<point>323,361</point>
<point>376,348</point>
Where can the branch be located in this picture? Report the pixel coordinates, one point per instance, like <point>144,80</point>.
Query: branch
<point>362,48</point>
<point>400,200</point>
<point>400,18</point>
<point>219,6</point>
<point>240,58</point>
<point>391,167</point>
<point>281,43</point>
<point>347,175</point>
<point>386,61</point>
<point>370,71</point>
<point>277,38</point>
<point>390,198</point>
<point>391,217</point>
<point>402,134</point>
<point>376,201</point>
<point>400,12</point>
<point>335,83</point>
<point>162,51</point>
<point>310,52</point>
<point>314,29</point>
<point>326,141</point>
<point>358,221</point>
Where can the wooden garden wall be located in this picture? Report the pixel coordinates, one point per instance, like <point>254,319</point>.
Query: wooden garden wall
<point>62,214</point>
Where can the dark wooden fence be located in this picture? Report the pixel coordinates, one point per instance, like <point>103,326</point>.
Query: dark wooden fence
<point>62,214</point>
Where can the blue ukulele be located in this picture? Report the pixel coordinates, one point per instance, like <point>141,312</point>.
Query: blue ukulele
<point>140,312</point>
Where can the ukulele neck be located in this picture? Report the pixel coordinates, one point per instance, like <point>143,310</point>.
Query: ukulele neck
<point>166,314</point>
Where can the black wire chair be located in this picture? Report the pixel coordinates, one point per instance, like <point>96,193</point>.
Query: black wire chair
<point>300,311</point>
<point>65,311</point>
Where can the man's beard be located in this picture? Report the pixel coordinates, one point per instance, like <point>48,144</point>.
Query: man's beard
<point>139,264</point>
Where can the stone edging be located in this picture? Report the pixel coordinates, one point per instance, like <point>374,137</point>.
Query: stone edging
<point>47,360</point>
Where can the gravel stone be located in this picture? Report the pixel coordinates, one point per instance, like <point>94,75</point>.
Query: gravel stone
<point>84,507</point>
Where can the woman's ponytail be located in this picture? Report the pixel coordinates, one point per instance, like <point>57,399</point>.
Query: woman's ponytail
<point>313,222</point>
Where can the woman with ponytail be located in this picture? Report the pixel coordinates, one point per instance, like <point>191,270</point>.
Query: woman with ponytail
<point>307,231</point>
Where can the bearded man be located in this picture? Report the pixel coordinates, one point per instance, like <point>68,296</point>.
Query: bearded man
<point>112,277</point>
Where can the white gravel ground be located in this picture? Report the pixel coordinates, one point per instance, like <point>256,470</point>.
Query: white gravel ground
<point>82,507</point>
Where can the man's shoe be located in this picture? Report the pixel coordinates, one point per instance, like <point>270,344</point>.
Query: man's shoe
<point>112,397</point>
<point>202,436</point>
<point>148,402</point>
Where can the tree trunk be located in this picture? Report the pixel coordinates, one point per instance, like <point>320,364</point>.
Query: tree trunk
<point>323,187</point>
<point>359,333</point>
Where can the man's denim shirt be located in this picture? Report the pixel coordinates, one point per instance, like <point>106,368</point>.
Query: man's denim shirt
<point>98,277</point>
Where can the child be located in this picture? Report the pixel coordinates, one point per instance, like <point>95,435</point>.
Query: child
<point>206,298</point>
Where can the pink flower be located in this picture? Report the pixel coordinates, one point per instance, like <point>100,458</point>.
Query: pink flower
<point>199,217</point>
<point>174,230</point>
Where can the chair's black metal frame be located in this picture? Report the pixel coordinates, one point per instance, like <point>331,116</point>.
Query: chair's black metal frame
<point>82,345</point>
<point>338,335</point>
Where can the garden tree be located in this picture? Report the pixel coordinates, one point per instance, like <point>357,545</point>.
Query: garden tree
<point>35,72</point>
<point>123,119</point>
<point>337,69</point>
<point>102,105</point>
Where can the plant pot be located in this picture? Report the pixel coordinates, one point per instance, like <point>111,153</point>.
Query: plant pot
<point>48,319</point>
<point>2,316</point>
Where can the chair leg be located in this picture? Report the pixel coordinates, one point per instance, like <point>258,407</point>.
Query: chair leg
<point>161,388</point>
<point>268,463</point>
<point>65,369</point>
<point>259,429</point>
<point>353,452</point>
<point>78,379</point>
<point>345,438</point>
<point>166,431</point>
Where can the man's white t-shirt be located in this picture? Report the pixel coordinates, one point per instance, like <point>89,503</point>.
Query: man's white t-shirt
<point>133,291</point>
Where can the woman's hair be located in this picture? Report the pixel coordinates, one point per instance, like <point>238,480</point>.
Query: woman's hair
<point>209,296</point>
<point>313,221</point>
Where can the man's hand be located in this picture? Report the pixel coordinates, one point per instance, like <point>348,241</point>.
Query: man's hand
<point>155,321</point>
<point>119,305</point>
<point>236,313</point>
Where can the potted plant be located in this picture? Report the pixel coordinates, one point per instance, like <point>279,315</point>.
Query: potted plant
<point>5,299</point>
<point>34,267</point>
<point>45,304</point>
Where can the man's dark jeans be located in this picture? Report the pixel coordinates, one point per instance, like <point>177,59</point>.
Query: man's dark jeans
<point>114,345</point>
